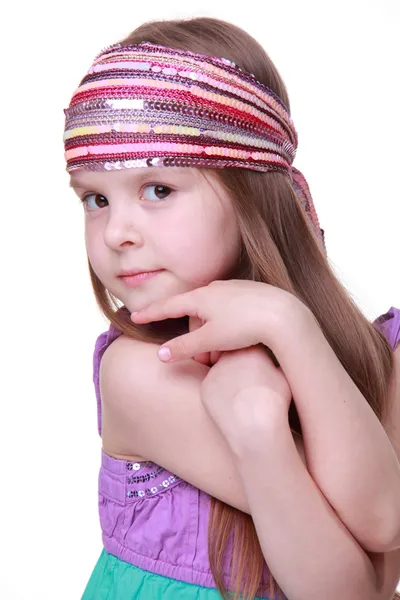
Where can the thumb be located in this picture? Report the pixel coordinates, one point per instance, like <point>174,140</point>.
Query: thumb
<point>186,346</point>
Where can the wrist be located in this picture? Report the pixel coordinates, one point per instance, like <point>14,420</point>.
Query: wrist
<point>284,323</point>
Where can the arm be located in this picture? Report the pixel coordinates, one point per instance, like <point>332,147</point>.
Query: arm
<point>344,441</point>
<point>157,411</point>
<point>308,549</point>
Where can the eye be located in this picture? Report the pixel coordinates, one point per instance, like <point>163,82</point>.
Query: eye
<point>98,201</point>
<point>156,192</point>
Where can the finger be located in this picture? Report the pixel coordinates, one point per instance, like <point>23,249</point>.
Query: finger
<point>214,357</point>
<point>203,358</point>
<point>194,324</point>
<point>188,345</point>
<point>168,308</point>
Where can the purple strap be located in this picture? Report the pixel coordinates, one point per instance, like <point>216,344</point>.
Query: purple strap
<point>102,343</point>
<point>389,325</point>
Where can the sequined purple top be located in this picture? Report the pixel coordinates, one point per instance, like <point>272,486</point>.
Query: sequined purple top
<point>156,521</point>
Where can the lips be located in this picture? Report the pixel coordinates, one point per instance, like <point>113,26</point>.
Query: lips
<point>133,272</point>
<point>134,278</point>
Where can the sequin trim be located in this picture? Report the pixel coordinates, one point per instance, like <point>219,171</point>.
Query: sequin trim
<point>156,478</point>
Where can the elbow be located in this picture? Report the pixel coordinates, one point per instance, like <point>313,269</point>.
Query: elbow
<point>378,528</point>
<point>382,547</point>
<point>384,538</point>
<point>390,543</point>
<point>389,530</point>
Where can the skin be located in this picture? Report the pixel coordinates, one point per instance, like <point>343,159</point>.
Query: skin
<point>330,406</point>
<point>131,226</point>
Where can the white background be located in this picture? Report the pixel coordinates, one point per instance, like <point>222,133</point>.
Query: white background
<point>340,62</point>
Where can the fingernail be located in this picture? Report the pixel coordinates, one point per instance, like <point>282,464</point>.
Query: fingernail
<point>164,354</point>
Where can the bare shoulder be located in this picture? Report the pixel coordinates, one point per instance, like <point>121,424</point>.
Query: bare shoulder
<point>130,365</point>
<point>392,422</point>
<point>136,393</point>
<point>154,410</point>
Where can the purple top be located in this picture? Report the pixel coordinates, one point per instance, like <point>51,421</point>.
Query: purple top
<point>156,521</point>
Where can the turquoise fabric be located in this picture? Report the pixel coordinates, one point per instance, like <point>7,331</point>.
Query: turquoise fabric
<point>114,579</point>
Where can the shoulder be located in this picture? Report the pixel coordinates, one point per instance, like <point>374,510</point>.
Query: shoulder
<point>121,346</point>
<point>129,364</point>
<point>392,420</point>
<point>155,411</point>
<point>141,396</point>
<point>119,364</point>
<point>122,357</point>
<point>140,393</point>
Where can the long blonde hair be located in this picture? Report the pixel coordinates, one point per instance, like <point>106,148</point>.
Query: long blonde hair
<point>279,248</point>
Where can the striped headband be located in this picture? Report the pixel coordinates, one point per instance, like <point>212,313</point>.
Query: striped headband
<point>147,105</point>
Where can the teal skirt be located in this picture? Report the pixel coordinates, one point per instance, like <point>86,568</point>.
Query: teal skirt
<point>114,579</point>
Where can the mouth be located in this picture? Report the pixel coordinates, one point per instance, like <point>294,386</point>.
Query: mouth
<point>133,278</point>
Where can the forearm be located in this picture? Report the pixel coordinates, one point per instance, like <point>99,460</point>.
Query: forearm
<point>307,548</point>
<point>348,452</point>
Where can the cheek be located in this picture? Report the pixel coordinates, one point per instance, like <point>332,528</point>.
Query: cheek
<point>202,253</point>
<point>94,249</point>
<point>90,244</point>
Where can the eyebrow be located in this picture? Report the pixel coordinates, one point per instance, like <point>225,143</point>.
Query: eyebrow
<point>156,172</point>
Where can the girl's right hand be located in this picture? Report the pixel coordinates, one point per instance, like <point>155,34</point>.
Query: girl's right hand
<point>245,394</point>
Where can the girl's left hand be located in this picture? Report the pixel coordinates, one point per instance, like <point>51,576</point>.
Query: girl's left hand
<point>235,314</point>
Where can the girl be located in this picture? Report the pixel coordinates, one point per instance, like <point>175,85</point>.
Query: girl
<point>257,452</point>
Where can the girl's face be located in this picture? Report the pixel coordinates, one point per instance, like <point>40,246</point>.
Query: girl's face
<point>174,221</point>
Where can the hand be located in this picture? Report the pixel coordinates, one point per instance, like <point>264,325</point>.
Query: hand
<point>244,393</point>
<point>234,314</point>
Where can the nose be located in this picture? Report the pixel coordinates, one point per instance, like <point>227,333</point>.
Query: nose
<point>122,229</point>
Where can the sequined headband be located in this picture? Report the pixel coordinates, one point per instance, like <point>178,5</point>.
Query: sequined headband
<point>146,105</point>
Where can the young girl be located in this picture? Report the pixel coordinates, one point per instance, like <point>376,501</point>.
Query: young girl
<point>258,451</point>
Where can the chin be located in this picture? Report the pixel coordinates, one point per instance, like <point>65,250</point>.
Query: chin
<point>139,300</point>
<point>140,297</point>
